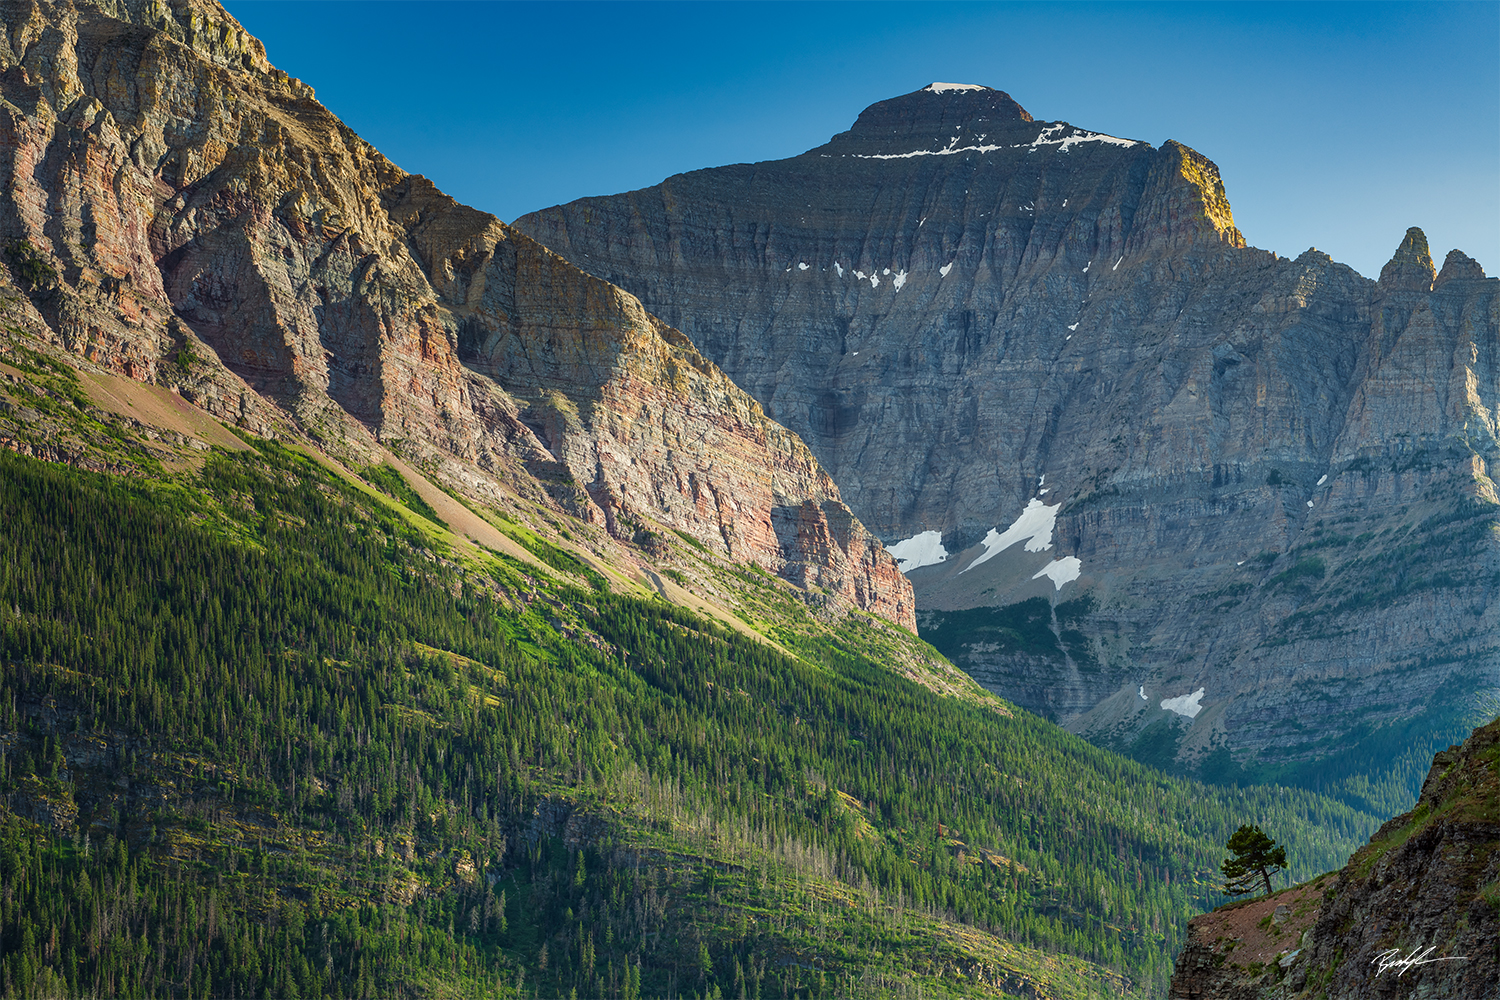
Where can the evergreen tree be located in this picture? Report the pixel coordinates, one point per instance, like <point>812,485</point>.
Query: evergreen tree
<point>1255,857</point>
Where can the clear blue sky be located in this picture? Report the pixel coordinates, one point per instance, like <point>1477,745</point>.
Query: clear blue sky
<point>1335,125</point>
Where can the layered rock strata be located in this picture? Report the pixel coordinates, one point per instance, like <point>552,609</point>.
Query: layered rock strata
<point>1270,475</point>
<point>181,212</point>
<point>1414,913</point>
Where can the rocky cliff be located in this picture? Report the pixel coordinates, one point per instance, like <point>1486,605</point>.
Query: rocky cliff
<point>1415,913</point>
<point>1253,492</point>
<point>180,212</point>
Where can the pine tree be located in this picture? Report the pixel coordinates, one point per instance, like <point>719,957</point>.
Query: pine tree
<point>1255,857</point>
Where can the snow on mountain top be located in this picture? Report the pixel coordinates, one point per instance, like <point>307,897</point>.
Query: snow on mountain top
<point>943,88</point>
<point>1047,137</point>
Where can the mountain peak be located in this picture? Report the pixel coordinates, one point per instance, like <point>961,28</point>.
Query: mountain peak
<point>948,103</point>
<point>935,117</point>
<point>1411,267</point>
<point>1458,266</point>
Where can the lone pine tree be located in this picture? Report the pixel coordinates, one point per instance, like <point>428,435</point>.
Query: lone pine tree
<point>1254,857</point>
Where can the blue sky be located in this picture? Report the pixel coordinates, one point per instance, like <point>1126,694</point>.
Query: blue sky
<point>1334,125</point>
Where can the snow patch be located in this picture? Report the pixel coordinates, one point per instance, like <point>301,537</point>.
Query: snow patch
<point>1323,480</point>
<point>950,151</point>
<point>1117,264</point>
<point>1309,503</point>
<point>943,88</point>
<point>1143,693</point>
<point>1185,704</point>
<point>839,268</point>
<point>1073,327</point>
<point>1061,571</point>
<point>945,269</point>
<point>925,549</point>
<point>1034,526</point>
<point>801,267</point>
<point>899,279</point>
<point>1047,138</point>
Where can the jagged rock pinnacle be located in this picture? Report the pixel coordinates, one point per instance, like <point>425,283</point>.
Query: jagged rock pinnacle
<point>1411,268</point>
<point>1458,266</point>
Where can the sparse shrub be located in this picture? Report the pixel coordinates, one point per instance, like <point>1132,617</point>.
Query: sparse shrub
<point>28,265</point>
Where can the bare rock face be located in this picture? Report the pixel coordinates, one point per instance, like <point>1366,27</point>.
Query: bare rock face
<point>1266,479</point>
<point>896,294</point>
<point>181,212</point>
<point>1414,913</point>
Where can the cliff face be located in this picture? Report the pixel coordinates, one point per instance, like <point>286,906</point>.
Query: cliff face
<point>1263,478</point>
<point>897,294</point>
<point>182,213</point>
<point>1415,913</point>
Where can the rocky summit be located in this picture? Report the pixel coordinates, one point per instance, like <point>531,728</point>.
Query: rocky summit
<point>182,213</point>
<point>1224,510</point>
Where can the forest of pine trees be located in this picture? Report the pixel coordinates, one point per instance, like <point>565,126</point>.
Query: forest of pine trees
<point>262,736</point>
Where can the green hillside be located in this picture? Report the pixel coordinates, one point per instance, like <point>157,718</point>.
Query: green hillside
<point>266,734</point>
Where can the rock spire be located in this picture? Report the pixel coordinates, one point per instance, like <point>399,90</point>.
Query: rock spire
<point>1410,269</point>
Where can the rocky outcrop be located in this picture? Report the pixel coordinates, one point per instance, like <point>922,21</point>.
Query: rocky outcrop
<point>1414,913</point>
<point>181,212</point>
<point>1270,475</point>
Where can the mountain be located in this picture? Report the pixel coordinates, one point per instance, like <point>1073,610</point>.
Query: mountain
<point>1418,906</point>
<point>389,608</point>
<point>1259,531</point>
<point>181,213</point>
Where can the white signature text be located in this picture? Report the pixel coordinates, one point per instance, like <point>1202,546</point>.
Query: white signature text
<point>1393,959</point>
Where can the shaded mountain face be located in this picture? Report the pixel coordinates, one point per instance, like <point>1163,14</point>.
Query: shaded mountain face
<point>1261,479</point>
<point>183,213</point>
<point>1415,910</point>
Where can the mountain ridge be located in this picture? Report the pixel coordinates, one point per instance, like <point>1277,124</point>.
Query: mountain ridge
<point>174,195</point>
<point>1250,458</point>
